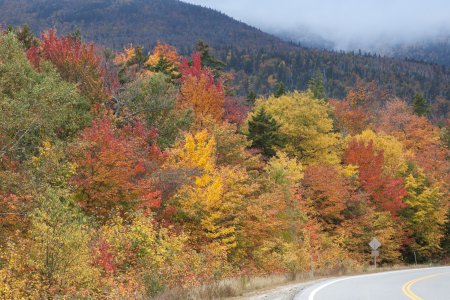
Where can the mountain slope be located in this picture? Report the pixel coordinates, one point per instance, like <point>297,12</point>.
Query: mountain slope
<point>431,50</point>
<point>116,23</point>
<point>258,60</point>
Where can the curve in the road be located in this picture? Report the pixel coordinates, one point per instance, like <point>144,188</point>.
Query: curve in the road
<point>407,287</point>
<point>385,285</point>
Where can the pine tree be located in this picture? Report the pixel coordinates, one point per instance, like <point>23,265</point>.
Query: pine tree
<point>316,86</point>
<point>139,57</point>
<point>24,36</point>
<point>167,68</point>
<point>251,97</point>
<point>209,60</point>
<point>263,132</point>
<point>279,90</point>
<point>420,105</point>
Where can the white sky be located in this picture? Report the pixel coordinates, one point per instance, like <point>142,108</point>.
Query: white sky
<point>343,21</point>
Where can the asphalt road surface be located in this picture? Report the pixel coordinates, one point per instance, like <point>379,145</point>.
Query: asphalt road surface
<point>415,284</point>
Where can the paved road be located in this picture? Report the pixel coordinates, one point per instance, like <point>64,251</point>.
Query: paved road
<point>415,284</point>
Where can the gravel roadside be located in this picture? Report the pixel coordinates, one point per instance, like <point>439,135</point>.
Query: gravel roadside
<point>284,292</point>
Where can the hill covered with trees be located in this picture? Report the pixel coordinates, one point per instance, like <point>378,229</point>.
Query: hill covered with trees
<point>116,23</point>
<point>434,51</point>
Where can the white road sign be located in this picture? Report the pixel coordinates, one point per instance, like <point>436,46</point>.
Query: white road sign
<point>374,244</point>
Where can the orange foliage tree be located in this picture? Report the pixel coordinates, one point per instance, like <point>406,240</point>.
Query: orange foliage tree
<point>419,136</point>
<point>114,168</point>
<point>360,107</point>
<point>326,191</point>
<point>200,91</point>
<point>14,198</point>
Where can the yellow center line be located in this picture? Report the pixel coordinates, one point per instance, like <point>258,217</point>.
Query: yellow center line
<point>406,288</point>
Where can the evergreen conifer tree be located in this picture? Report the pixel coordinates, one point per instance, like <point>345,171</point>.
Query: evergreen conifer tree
<point>316,86</point>
<point>263,132</point>
<point>251,97</point>
<point>209,60</point>
<point>279,90</point>
<point>420,105</point>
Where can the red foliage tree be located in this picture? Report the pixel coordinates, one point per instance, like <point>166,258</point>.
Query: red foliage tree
<point>104,257</point>
<point>235,111</point>
<point>115,168</point>
<point>386,193</point>
<point>75,61</point>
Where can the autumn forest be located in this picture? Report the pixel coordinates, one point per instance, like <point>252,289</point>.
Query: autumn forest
<point>126,174</point>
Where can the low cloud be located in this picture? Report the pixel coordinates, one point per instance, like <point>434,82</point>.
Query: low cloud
<point>347,24</point>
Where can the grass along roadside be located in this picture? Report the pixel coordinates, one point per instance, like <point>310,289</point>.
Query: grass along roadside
<point>259,287</point>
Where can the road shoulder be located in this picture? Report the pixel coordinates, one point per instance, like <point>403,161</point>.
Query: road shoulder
<point>283,292</point>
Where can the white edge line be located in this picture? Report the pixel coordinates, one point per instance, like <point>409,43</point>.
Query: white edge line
<point>317,289</point>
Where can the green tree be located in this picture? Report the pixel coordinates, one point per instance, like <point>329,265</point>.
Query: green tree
<point>251,97</point>
<point>316,86</point>
<point>421,106</point>
<point>209,60</point>
<point>263,132</point>
<point>279,90</point>
<point>445,136</point>
<point>154,100</point>
<point>139,57</point>
<point>35,106</point>
<point>167,68</point>
<point>76,35</point>
<point>24,35</point>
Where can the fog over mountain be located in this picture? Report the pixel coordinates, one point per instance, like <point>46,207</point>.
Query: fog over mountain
<point>344,25</point>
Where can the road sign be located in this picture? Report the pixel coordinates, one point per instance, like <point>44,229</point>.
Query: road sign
<point>374,244</point>
<point>375,253</point>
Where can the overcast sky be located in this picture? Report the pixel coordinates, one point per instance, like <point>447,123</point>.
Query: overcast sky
<point>343,21</point>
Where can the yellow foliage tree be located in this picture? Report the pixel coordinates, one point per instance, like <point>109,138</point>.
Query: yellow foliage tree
<point>355,233</point>
<point>163,51</point>
<point>426,213</point>
<point>305,125</point>
<point>127,55</point>
<point>203,203</point>
<point>54,260</point>
<point>140,259</point>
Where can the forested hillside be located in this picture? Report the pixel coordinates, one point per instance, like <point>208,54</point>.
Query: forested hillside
<point>132,176</point>
<point>262,70</point>
<point>434,51</point>
<point>116,23</point>
<point>257,60</point>
<point>431,50</point>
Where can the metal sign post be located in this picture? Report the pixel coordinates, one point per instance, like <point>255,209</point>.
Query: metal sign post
<point>375,244</point>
